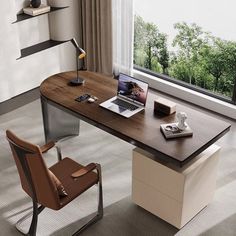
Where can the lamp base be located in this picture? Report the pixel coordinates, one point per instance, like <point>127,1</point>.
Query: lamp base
<point>76,82</point>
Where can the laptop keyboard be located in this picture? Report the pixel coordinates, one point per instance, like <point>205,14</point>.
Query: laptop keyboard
<point>124,104</point>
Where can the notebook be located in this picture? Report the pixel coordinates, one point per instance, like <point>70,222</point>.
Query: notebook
<point>131,96</point>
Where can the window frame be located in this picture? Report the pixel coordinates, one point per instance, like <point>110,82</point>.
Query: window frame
<point>193,97</point>
<point>189,86</point>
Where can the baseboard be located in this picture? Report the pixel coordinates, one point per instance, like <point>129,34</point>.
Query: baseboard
<point>19,100</point>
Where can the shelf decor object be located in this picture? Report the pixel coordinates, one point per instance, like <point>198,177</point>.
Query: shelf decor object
<point>80,54</point>
<point>35,3</point>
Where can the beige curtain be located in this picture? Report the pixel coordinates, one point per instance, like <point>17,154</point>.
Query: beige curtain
<point>96,34</point>
<point>123,28</point>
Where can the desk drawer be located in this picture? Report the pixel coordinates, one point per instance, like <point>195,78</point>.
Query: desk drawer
<point>174,194</point>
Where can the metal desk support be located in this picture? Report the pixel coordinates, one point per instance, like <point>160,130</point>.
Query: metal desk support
<point>58,123</point>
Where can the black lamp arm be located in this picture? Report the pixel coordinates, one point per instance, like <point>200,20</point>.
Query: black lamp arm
<point>74,42</point>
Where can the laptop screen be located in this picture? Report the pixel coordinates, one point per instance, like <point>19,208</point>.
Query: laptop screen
<point>132,89</point>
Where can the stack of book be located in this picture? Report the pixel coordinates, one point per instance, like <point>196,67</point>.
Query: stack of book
<point>36,11</point>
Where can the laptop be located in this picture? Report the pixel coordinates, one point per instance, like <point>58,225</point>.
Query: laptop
<point>131,96</point>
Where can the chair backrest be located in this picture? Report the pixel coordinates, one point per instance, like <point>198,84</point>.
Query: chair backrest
<point>33,172</point>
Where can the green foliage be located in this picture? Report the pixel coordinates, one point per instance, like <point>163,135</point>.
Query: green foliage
<point>198,58</point>
<point>151,45</point>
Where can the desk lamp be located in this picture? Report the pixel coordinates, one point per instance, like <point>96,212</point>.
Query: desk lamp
<point>80,54</point>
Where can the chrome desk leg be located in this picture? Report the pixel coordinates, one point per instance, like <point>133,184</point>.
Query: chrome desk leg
<point>58,123</point>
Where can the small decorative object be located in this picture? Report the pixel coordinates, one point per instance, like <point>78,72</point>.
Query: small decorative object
<point>179,129</point>
<point>181,116</point>
<point>35,3</point>
<point>162,105</point>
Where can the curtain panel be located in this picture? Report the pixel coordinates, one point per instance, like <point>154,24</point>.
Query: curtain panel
<point>106,34</point>
<point>96,34</point>
<point>123,32</point>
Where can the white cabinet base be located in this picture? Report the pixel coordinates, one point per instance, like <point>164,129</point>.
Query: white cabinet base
<point>174,194</point>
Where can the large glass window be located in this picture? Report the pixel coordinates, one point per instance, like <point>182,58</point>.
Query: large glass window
<point>190,42</point>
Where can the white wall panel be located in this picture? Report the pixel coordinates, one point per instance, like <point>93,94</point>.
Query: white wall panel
<point>18,76</point>
<point>33,31</point>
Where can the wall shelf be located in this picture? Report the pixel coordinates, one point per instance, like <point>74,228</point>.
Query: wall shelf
<point>23,16</point>
<point>39,47</point>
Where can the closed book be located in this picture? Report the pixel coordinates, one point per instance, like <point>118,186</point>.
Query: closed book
<point>36,11</point>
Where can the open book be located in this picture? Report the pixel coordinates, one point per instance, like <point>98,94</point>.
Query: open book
<point>172,131</point>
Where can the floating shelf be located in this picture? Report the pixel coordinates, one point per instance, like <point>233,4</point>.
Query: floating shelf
<point>39,47</point>
<point>23,16</point>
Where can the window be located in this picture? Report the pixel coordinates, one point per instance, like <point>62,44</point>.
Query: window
<point>188,42</point>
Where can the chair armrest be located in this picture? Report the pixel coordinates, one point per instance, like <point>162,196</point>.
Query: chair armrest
<point>47,146</point>
<point>83,171</point>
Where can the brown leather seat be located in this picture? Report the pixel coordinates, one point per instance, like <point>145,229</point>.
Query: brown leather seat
<point>54,187</point>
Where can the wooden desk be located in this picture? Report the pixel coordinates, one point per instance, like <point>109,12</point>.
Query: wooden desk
<point>142,129</point>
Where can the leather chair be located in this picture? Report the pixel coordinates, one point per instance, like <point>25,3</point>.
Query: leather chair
<point>52,187</point>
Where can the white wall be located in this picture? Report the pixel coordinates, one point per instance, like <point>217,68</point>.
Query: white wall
<point>18,76</point>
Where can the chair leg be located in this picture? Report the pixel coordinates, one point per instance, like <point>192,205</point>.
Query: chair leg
<point>100,194</point>
<point>99,214</point>
<point>33,226</point>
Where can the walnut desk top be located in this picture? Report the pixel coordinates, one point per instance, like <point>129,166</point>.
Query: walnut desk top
<point>142,129</point>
